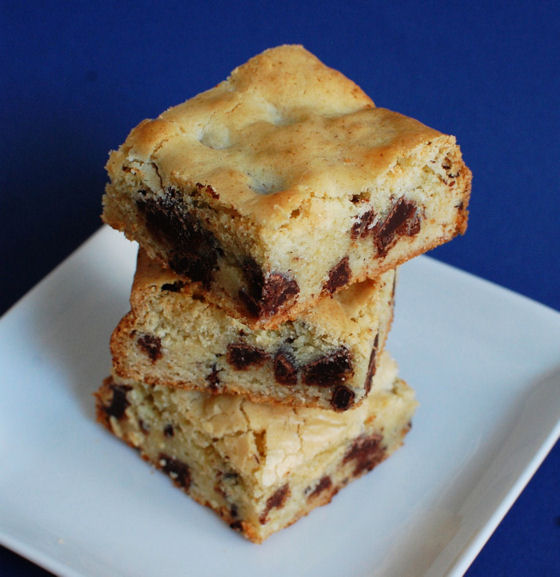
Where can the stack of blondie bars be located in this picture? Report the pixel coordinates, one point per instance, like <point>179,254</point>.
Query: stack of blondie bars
<point>271,213</point>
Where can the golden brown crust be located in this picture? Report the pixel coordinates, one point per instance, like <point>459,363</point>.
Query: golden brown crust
<point>282,121</point>
<point>268,170</point>
<point>255,116</point>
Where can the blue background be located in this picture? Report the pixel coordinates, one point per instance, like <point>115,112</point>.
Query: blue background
<point>77,76</point>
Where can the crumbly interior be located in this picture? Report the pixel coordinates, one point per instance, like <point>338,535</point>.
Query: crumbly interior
<point>173,336</point>
<point>259,467</point>
<point>295,181</point>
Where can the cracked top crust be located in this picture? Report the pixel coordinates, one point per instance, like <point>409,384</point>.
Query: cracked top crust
<point>282,128</point>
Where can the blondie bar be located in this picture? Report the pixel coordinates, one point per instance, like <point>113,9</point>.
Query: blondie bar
<point>259,467</point>
<point>284,184</point>
<point>325,358</point>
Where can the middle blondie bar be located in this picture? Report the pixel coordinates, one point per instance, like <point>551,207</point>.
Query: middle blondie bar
<point>325,358</point>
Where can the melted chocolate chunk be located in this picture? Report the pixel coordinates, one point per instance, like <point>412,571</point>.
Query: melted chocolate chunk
<point>331,369</point>
<point>119,402</point>
<point>278,289</point>
<point>275,501</point>
<point>323,484</point>
<point>371,364</point>
<point>367,452</point>
<point>264,296</point>
<point>213,378</point>
<point>254,277</point>
<point>241,356</point>
<point>339,275</point>
<point>342,398</point>
<point>173,287</point>
<point>363,226</point>
<point>357,198</point>
<point>178,471</point>
<point>403,219</point>
<point>285,368</point>
<point>168,430</point>
<point>194,249</point>
<point>249,303</point>
<point>151,345</point>
<point>237,526</point>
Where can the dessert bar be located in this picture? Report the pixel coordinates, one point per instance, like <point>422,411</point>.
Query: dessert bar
<point>325,358</point>
<point>282,185</point>
<point>259,467</point>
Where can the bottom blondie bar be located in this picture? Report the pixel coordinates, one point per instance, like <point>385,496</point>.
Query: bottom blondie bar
<point>260,467</point>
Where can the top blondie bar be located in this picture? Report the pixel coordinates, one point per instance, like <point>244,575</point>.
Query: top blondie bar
<point>284,184</point>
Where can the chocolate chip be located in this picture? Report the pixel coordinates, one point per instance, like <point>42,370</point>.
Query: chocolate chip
<point>178,471</point>
<point>323,484</point>
<point>231,477</point>
<point>276,501</point>
<point>339,275</point>
<point>264,295</point>
<point>250,304</point>
<point>241,356</point>
<point>371,364</point>
<point>330,369</point>
<point>285,368</point>
<point>253,275</point>
<point>168,430</point>
<point>237,526</point>
<point>173,287</point>
<point>119,402</point>
<point>213,379</point>
<point>252,293</point>
<point>403,219</point>
<point>278,290</point>
<point>233,511</point>
<point>194,249</point>
<point>363,225</point>
<point>447,164</point>
<point>367,452</point>
<point>342,398</point>
<point>151,345</point>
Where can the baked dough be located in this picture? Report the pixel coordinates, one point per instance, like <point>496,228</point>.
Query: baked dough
<point>259,467</point>
<point>284,184</point>
<point>325,358</point>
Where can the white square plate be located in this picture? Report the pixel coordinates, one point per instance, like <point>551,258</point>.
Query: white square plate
<point>486,367</point>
